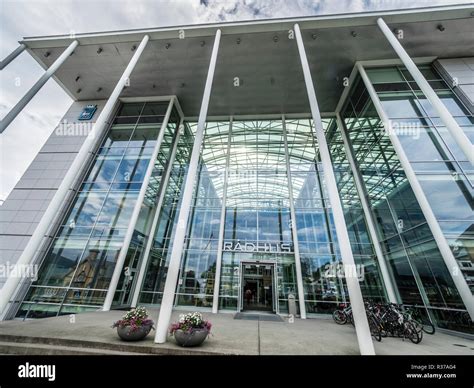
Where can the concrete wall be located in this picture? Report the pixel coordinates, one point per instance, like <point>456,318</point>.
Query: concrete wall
<point>461,69</point>
<point>26,204</point>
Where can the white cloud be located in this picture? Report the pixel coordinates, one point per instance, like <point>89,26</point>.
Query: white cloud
<point>18,18</point>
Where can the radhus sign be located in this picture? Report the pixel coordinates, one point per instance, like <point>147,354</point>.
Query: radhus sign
<point>257,247</point>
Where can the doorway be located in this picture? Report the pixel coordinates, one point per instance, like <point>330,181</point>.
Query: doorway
<point>126,285</point>
<point>257,287</point>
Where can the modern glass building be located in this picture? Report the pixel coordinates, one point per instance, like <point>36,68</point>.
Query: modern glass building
<point>243,166</point>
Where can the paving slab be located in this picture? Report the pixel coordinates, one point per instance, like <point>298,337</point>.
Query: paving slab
<point>229,336</point>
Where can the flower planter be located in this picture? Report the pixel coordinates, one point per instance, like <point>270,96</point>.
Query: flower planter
<point>138,318</point>
<point>195,337</point>
<point>127,334</point>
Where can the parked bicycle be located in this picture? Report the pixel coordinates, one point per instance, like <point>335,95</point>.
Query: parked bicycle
<point>386,320</point>
<point>344,315</point>
<point>394,323</point>
<point>422,323</point>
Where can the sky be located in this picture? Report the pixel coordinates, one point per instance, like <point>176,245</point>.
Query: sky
<point>25,136</point>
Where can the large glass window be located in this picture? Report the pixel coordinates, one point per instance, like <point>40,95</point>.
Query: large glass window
<point>151,291</point>
<point>257,208</point>
<point>441,167</point>
<point>362,246</point>
<point>76,270</point>
<point>420,275</point>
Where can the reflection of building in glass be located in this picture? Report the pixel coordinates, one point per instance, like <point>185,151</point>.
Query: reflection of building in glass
<point>463,249</point>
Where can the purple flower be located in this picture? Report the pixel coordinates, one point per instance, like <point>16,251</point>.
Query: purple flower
<point>135,318</point>
<point>190,322</point>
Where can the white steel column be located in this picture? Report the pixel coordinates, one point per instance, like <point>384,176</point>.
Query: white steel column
<point>10,57</point>
<point>156,216</point>
<point>386,277</point>
<point>296,247</point>
<point>178,243</point>
<point>361,324</point>
<point>10,116</point>
<point>136,212</point>
<point>453,127</point>
<point>220,244</point>
<point>69,179</point>
<point>431,220</point>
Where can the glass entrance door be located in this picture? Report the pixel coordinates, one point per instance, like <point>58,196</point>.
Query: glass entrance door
<point>257,287</point>
<point>128,278</point>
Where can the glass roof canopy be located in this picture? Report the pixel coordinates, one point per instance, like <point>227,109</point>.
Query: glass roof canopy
<point>258,145</point>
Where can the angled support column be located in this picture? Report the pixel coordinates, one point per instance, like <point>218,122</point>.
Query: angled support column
<point>220,244</point>
<point>178,243</point>
<point>69,180</point>
<point>364,337</point>
<point>156,216</point>
<point>10,116</point>
<point>387,279</point>
<point>10,57</point>
<point>453,127</point>
<point>294,231</point>
<point>431,220</point>
<point>136,212</point>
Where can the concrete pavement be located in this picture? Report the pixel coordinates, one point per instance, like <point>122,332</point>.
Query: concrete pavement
<point>241,337</point>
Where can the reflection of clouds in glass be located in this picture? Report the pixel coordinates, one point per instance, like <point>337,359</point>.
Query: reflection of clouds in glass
<point>458,229</point>
<point>315,232</point>
<point>446,198</point>
<point>398,107</point>
<point>86,209</point>
<point>421,149</point>
<point>117,209</point>
<point>101,186</point>
<point>107,170</point>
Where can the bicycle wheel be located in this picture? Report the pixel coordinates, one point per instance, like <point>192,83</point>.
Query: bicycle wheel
<point>417,325</point>
<point>339,317</point>
<point>375,329</point>
<point>380,324</point>
<point>412,333</point>
<point>350,317</point>
<point>428,328</point>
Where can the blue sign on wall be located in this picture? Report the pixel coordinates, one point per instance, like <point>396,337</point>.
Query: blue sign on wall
<point>88,112</point>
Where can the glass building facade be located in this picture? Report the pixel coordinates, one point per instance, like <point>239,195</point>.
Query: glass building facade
<point>417,267</point>
<point>444,172</point>
<point>261,208</point>
<point>76,271</point>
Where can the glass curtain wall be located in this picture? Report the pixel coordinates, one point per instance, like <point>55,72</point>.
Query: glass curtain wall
<point>444,172</point>
<point>151,291</point>
<point>75,273</point>
<point>136,252</point>
<point>372,286</point>
<point>317,241</point>
<point>196,281</point>
<point>251,155</point>
<point>257,211</point>
<point>321,262</point>
<point>419,271</point>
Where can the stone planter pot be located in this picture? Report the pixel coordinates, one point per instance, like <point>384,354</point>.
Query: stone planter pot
<point>126,333</point>
<point>193,338</point>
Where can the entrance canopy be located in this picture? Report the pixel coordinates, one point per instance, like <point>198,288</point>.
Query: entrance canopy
<point>260,54</point>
